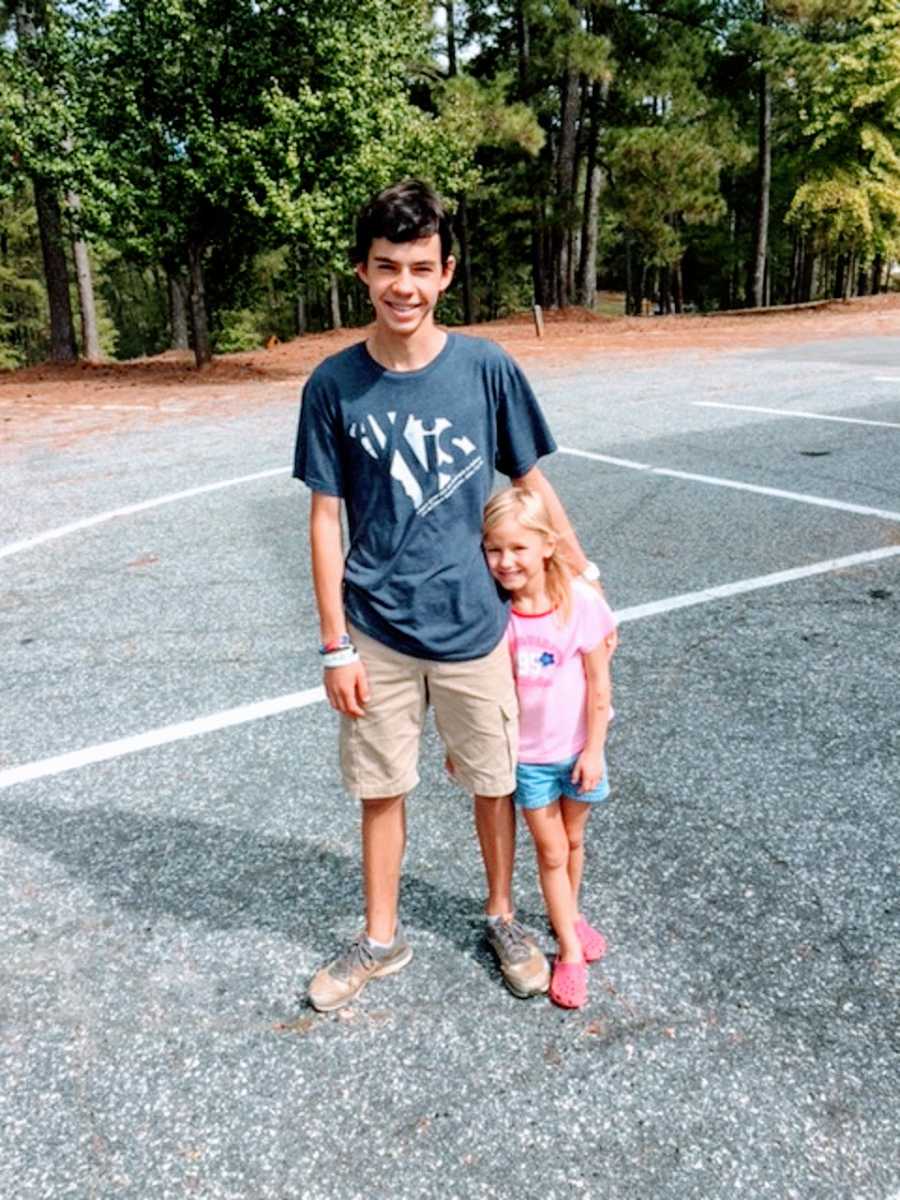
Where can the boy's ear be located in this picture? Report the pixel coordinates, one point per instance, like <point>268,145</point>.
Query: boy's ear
<point>447,271</point>
<point>361,272</point>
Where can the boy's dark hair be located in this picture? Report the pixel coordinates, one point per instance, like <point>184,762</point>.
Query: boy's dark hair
<point>402,213</point>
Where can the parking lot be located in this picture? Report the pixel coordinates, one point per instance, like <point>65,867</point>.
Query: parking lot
<point>177,855</point>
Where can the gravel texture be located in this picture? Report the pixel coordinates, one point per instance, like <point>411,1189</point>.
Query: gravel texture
<point>161,913</point>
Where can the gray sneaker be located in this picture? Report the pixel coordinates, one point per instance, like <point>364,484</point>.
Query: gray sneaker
<point>525,970</point>
<point>342,980</point>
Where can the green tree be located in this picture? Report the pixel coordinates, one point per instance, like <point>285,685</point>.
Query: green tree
<point>847,203</point>
<point>37,106</point>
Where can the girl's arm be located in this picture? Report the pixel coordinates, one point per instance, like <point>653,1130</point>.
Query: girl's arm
<point>588,769</point>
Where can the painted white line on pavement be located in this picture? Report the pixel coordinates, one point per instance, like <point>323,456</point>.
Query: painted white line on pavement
<point>886,378</point>
<point>688,599</point>
<point>160,737</point>
<point>280,704</point>
<point>780,412</point>
<point>779,494</point>
<point>50,535</point>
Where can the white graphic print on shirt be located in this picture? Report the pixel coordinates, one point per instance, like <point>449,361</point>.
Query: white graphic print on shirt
<point>428,468</point>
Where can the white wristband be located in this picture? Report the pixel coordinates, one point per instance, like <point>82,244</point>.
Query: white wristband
<point>340,658</point>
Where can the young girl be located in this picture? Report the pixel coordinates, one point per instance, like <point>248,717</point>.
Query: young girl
<point>561,637</point>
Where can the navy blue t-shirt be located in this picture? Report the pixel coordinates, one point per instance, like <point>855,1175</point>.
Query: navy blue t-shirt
<point>413,454</point>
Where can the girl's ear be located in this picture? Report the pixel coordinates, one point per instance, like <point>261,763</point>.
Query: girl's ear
<point>549,548</point>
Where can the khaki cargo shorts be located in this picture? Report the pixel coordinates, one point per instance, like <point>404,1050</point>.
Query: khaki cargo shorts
<point>475,711</point>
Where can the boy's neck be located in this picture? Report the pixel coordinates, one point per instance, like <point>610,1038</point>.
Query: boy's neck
<point>400,353</point>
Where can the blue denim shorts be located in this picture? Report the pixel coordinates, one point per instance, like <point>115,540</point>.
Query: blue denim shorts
<point>539,784</point>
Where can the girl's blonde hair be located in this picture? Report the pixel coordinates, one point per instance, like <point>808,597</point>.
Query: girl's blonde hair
<point>529,509</point>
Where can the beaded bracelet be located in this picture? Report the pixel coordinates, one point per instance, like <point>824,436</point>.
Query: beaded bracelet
<point>338,644</point>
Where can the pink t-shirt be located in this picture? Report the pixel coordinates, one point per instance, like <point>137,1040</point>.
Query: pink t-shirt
<point>550,676</point>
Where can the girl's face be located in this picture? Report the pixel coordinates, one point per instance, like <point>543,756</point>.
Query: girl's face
<point>516,555</point>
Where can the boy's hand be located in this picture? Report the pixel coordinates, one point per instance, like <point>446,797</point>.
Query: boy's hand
<point>347,689</point>
<point>588,770</point>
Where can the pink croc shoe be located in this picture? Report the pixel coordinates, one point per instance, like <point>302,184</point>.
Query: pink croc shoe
<point>568,984</point>
<point>593,943</point>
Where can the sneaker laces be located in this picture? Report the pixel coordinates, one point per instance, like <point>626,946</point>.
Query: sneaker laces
<point>357,956</point>
<point>514,939</point>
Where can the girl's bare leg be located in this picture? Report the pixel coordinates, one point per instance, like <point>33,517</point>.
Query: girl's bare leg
<point>575,815</point>
<point>552,845</point>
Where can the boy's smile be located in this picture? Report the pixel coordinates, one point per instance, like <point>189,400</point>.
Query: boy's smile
<point>405,282</point>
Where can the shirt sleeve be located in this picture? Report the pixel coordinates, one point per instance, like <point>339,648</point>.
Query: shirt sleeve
<point>523,435</point>
<point>595,617</point>
<point>317,456</point>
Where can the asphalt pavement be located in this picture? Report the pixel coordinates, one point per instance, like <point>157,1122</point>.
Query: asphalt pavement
<point>165,902</point>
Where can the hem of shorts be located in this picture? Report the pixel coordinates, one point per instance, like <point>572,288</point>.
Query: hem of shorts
<point>581,799</point>
<point>402,788</point>
<point>480,789</point>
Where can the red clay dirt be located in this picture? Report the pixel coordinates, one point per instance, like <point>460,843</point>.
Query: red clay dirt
<point>56,406</point>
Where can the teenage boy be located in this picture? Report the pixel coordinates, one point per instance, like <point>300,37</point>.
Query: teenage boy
<point>406,429</point>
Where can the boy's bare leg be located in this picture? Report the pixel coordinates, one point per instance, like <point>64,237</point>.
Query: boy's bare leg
<point>383,845</point>
<point>524,968</point>
<point>495,821</point>
<point>383,841</point>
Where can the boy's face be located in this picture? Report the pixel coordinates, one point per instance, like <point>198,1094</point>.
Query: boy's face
<point>405,282</point>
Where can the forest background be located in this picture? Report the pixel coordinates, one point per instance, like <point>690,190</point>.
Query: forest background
<point>184,173</point>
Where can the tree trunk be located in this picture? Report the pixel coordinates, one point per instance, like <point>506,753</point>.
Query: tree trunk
<point>837,291</point>
<point>523,48</point>
<point>90,338</point>
<point>793,282</point>
<point>587,267</point>
<point>335,297</point>
<point>451,37</point>
<point>462,212</point>
<point>178,316</point>
<point>465,261</point>
<point>538,260</point>
<point>764,173</point>
<point>199,318</point>
<point>56,273</point>
<point>300,312</point>
<point>877,273</point>
<point>809,273</point>
<point>566,179</point>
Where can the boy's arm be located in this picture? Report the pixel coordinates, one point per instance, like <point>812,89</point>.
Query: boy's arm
<point>346,687</point>
<point>536,481</point>
<point>588,770</point>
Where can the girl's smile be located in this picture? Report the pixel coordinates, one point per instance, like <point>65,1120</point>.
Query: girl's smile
<point>516,557</point>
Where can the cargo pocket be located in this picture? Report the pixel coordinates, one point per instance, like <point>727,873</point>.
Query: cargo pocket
<point>510,714</point>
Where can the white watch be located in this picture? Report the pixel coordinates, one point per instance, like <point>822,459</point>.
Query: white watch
<point>591,572</point>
